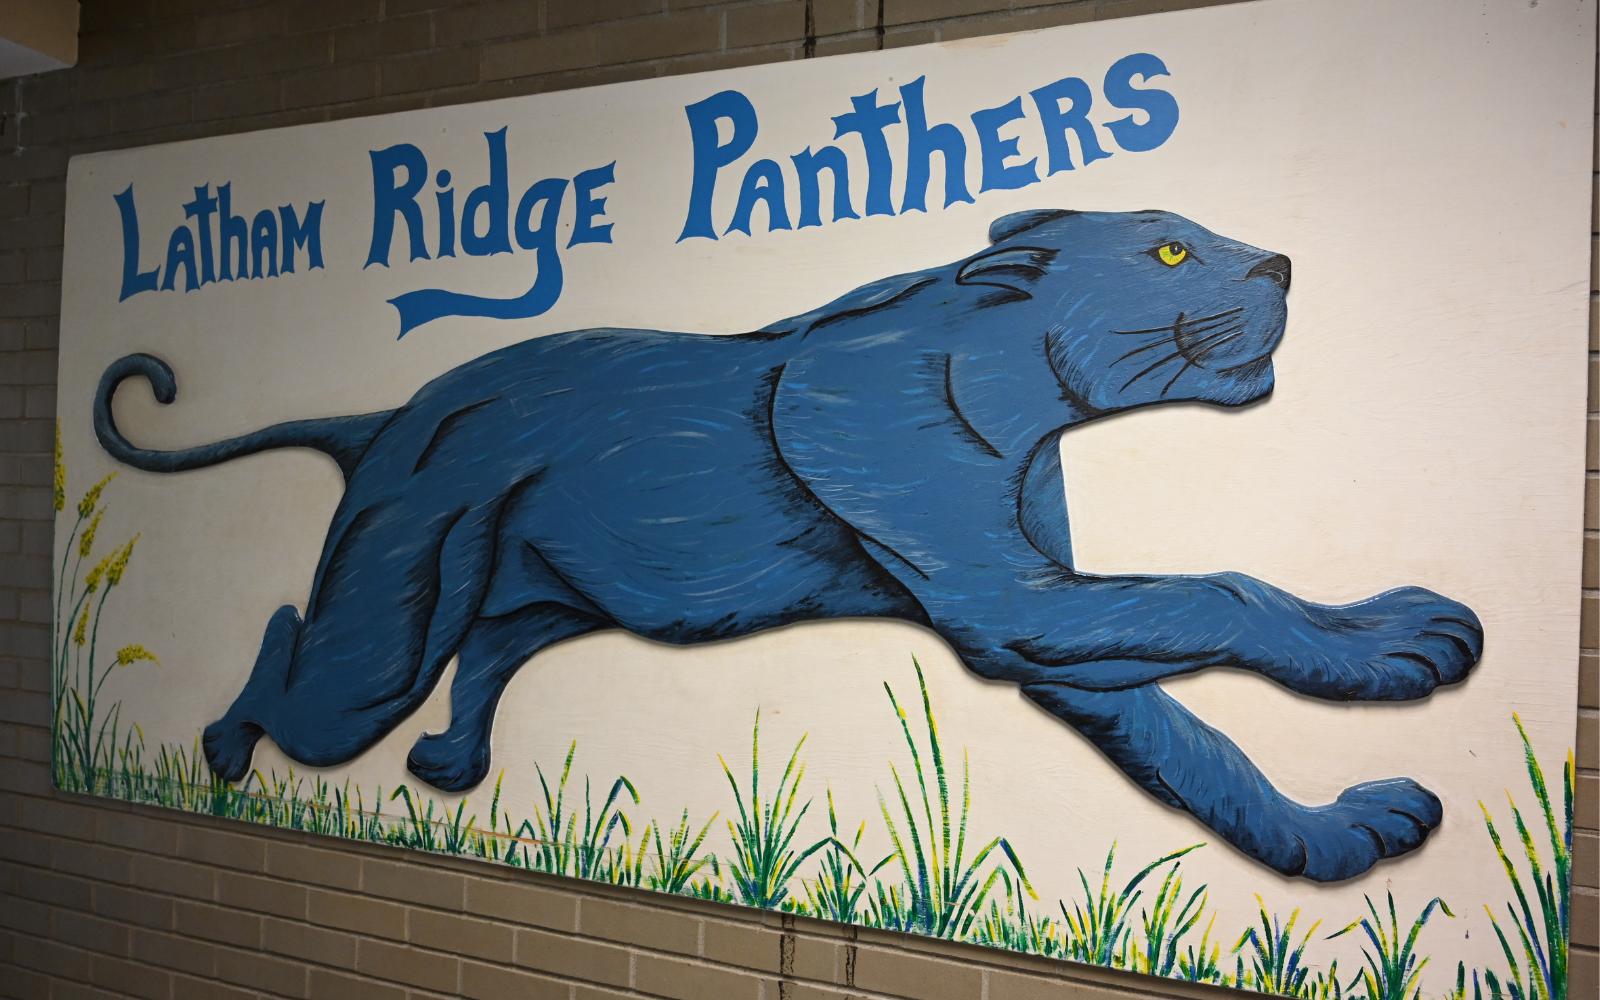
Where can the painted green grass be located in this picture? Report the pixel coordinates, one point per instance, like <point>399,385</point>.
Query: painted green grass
<point>928,884</point>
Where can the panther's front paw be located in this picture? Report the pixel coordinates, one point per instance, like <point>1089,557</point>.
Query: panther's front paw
<point>229,747</point>
<point>1397,646</point>
<point>446,763</point>
<point>1369,822</point>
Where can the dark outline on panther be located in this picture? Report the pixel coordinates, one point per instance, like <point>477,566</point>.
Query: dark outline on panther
<point>893,454</point>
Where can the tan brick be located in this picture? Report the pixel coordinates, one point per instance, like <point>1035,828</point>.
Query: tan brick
<point>131,978</point>
<point>170,951</point>
<point>285,53</point>
<point>26,985</point>
<point>901,37</point>
<point>333,85</point>
<point>357,913</point>
<point>185,988</point>
<point>1109,9</point>
<point>90,933</point>
<point>1588,749</point>
<point>191,69</point>
<point>213,847</point>
<point>1583,973</point>
<point>482,22</point>
<point>809,991</point>
<point>57,959</point>
<point>676,34</point>
<point>25,848</point>
<point>1006,985</point>
<point>444,68</point>
<point>461,935</point>
<point>107,864</point>
<point>390,37</point>
<point>256,971</point>
<point>239,25</point>
<point>522,903</point>
<point>1594,306</point>
<point>176,877</point>
<point>262,895</point>
<point>411,966</point>
<point>236,98</point>
<point>54,888</point>
<point>841,46</point>
<point>896,12</point>
<point>213,923</point>
<point>915,976</point>
<point>682,979</point>
<point>1584,911</point>
<point>1589,621</point>
<point>490,982</point>
<point>1586,860</point>
<point>314,944</point>
<point>1589,680</point>
<point>24,915</point>
<point>745,945</point>
<point>1049,17</point>
<point>138,832</point>
<point>1594,385</point>
<point>647,927</point>
<point>566,13</point>
<point>1586,792</point>
<point>134,907</point>
<point>1591,562</point>
<point>572,956</point>
<point>414,884</point>
<point>819,958</point>
<point>326,985</point>
<point>1591,504</point>
<point>58,819</point>
<point>766,24</point>
<point>330,869</point>
<point>550,54</point>
<point>832,17</point>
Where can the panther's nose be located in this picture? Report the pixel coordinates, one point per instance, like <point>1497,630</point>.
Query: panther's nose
<point>1275,267</point>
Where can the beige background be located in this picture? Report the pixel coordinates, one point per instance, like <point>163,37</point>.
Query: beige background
<point>1427,180</point>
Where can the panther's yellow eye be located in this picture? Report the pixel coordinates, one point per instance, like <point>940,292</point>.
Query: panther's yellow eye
<point>1172,254</point>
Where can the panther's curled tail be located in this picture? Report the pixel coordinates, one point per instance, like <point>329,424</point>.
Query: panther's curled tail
<point>345,439</point>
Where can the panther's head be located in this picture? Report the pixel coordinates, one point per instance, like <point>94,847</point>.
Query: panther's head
<point>1141,307</point>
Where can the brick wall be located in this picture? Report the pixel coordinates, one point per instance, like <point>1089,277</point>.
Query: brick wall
<point>98,899</point>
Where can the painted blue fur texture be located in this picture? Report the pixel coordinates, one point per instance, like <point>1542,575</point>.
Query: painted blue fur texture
<point>891,454</point>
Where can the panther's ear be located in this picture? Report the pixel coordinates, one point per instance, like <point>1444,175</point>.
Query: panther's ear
<point>1008,226</point>
<point>1013,268</point>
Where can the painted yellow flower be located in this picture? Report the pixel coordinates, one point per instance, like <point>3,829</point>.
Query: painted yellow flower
<point>86,505</point>
<point>80,635</point>
<point>130,654</point>
<point>61,472</point>
<point>86,543</point>
<point>119,563</point>
<point>92,581</point>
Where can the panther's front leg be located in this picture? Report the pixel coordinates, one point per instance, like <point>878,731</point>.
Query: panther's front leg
<point>1185,763</point>
<point>1108,633</point>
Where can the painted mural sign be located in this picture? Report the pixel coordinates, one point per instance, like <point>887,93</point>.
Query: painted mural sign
<point>952,418</point>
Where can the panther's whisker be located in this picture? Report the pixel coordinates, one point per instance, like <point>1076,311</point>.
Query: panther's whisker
<point>1187,365</point>
<point>1158,364</point>
<point>1141,350</point>
<point>1212,347</point>
<point>1204,341</point>
<point>1180,322</point>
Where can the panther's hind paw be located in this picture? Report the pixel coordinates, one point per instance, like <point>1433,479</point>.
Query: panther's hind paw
<point>229,747</point>
<point>446,764</point>
<point>1369,822</point>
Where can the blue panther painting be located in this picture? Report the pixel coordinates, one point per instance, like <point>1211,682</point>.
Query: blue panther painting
<point>891,454</point>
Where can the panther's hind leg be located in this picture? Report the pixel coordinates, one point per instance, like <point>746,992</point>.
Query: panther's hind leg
<point>230,741</point>
<point>402,585</point>
<point>494,649</point>
<point>1186,763</point>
